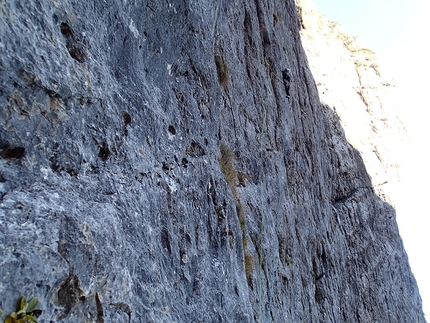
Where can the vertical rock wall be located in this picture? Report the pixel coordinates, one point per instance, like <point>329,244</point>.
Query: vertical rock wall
<point>153,170</point>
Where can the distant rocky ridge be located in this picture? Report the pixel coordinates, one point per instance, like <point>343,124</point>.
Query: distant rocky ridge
<point>351,82</point>
<point>153,168</point>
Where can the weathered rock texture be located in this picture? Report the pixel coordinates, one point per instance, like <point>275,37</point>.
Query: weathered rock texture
<point>153,170</point>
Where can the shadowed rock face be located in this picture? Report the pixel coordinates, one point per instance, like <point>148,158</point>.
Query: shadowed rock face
<point>153,170</point>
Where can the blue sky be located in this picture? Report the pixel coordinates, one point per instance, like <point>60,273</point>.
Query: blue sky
<point>398,31</point>
<point>380,23</point>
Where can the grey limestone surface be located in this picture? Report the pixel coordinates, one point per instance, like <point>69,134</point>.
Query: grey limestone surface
<point>115,204</point>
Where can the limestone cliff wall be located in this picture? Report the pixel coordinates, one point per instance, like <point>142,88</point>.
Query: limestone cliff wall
<point>153,170</point>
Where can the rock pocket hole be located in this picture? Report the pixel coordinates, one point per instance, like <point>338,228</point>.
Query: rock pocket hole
<point>8,152</point>
<point>66,30</point>
<point>76,49</point>
<point>195,150</point>
<point>172,130</point>
<point>104,151</point>
<point>127,118</point>
<point>184,162</point>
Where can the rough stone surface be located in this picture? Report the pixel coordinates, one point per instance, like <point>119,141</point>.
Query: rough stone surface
<point>153,170</point>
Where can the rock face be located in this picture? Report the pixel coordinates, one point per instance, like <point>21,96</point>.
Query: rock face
<point>153,170</point>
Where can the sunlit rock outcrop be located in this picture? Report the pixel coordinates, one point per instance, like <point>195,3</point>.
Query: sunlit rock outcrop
<point>351,82</point>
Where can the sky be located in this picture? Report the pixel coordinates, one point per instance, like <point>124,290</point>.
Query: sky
<point>398,31</point>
